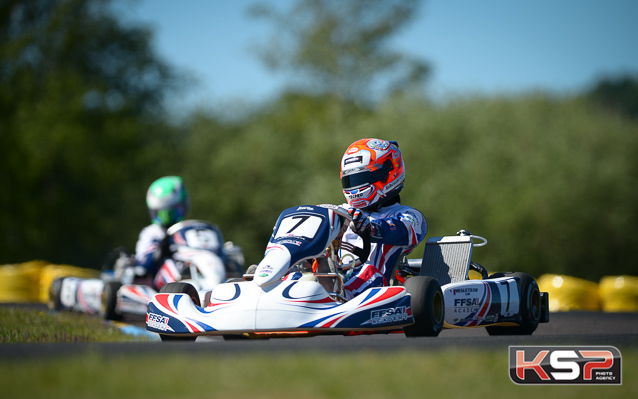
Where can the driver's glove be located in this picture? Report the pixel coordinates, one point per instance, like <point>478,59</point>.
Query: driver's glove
<point>360,223</point>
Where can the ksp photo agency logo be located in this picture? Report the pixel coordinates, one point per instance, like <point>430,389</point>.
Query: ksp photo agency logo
<point>587,365</point>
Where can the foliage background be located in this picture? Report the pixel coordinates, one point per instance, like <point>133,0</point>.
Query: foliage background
<point>549,180</point>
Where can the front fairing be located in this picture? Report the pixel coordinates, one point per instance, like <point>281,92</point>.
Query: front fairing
<point>301,232</point>
<point>244,307</point>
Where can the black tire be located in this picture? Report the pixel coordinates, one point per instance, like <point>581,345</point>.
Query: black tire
<point>530,307</point>
<point>108,309</point>
<point>180,288</point>
<point>55,303</point>
<point>428,307</point>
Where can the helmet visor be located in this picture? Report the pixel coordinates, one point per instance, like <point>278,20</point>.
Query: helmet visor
<point>170,216</point>
<point>349,182</point>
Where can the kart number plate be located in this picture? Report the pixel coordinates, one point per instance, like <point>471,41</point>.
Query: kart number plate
<point>299,226</point>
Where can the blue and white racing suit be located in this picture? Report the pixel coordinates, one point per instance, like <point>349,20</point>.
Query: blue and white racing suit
<point>149,242</point>
<point>396,230</point>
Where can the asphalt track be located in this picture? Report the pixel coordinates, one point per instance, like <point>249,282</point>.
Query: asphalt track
<point>567,328</point>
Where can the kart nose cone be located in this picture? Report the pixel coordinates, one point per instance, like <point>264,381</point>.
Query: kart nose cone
<point>273,267</point>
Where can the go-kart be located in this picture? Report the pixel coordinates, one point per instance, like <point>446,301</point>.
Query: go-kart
<point>199,258</point>
<point>273,302</point>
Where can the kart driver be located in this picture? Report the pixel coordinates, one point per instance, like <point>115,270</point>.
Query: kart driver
<point>382,230</point>
<point>168,203</point>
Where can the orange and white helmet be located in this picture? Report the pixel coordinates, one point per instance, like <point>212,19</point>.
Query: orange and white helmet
<point>371,171</point>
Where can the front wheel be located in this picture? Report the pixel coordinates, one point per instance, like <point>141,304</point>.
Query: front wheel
<point>428,307</point>
<point>530,307</point>
<point>180,288</point>
<point>108,310</point>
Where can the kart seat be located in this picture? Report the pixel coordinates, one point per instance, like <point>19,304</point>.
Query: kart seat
<point>447,259</point>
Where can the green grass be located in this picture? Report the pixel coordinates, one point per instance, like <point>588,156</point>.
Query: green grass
<point>25,325</point>
<point>449,373</point>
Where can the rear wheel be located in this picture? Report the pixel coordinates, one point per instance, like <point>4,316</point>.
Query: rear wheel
<point>428,307</point>
<point>54,302</point>
<point>108,309</point>
<point>530,307</point>
<point>180,288</point>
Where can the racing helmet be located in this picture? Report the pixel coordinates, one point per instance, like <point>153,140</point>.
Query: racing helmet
<point>167,200</point>
<point>372,171</point>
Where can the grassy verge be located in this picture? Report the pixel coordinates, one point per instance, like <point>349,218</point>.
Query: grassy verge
<point>450,373</point>
<point>25,325</point>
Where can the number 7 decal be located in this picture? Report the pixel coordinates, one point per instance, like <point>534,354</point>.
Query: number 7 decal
<point>299,226</point>
<point>303,219</point>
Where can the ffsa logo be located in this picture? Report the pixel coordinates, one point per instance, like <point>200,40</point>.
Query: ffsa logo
<point>565,365</point>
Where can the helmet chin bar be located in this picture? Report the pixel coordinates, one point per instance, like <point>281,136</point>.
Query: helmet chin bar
<point>362,202</point>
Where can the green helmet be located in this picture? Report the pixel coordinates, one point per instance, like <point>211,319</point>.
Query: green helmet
<point>167,200</point>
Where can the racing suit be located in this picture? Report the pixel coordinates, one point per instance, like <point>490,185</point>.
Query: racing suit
<point>151,248</point>
<point>395,231</point>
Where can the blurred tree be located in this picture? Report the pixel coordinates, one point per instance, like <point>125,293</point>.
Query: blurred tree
<point>548,181</point>
<point>283,154</point>
<point>341,47</point>
<point>288,151</point>
<point>619,94</point>
<point>81,131</point>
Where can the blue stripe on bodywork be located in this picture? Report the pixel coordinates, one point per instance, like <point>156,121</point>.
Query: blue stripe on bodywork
<point>204,326</point>
<point>315,322</point>
<point>372,293</point>
<point>237,293</point>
